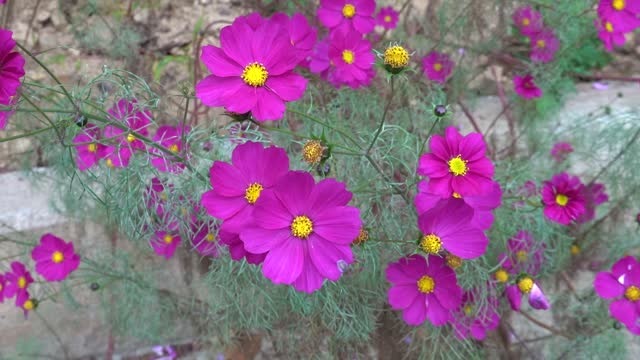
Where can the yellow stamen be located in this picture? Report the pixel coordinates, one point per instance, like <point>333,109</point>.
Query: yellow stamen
<point>525,284</point>
<point>541,43</point>
<point>526,21</point>
<point>348,57</point>
<point>457,166</point>
<point>437,66</point>
<point>575,249</point>
<point>632,293</point>
<point>608,26</point>
<point>174,148</point>
<point>131,138</point>
<point>312,152</point>
<point>426,284</point>
<point>211,237</point>
<point>348,11</point>
<point>456,195</point>
<point>431,244</point>
<point>109,163</point>
<point>22,282</point>
<point>301,227</point>
<point>168,239</point>
<point>468,309</point>
<point>253,193</point>
<point>396,57</point>
<point>363,236</point>
<point>28,305</point>
<point>255,74</point>
<point>522,256</point>
<point>387,18</point>
<point>92,147</point>
<point>502,276</point>
<point>562,199</point>
<point>57,257</point>
<point>619,4</point>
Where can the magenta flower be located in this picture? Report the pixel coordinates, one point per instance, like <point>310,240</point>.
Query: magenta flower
<point>5,115</point>
<point>594,195</point>
<point>525,285</point>
<point>171,138</point>
<point>527,20</point>
<point>526,87</point>
<point>437,66</point>
<point>320,62</point>
<point>423,290</point>
<point>622,14</point>
<point>306,230</point>
<point>156,196</point>
<point>17,280</point>
<point>448,226</point>
<point>136,120</point>
<point>204,239</point>
<point>88,147</point>
<point>622,284</point>
<point>544,46</point>
<point>524,254</point>
<point>236,248</point>
<point>252,71</point>
<point>165,243</point>
<point>387,18</point>
<point>457,164</point>
<point>25,303</point>
<point>238,186</point>
<point>352,57</point>
<point>11,67</point>
<point>563,198</point>
<point>301,35</point>
<point>347,15</point>
<point>608,34</point>
<point>3,286</point>
<point>561,150</point>
<point>55,259</point>
<point>475,319</point>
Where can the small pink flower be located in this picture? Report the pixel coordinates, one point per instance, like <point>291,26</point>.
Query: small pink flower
<point>24,302</point>
<point>474,317</point>
<point>622,284</point>
<point>387,18</point>
<point>544,46</point>
<point>348,15</point>
<point>623,14</point>
<point>561,150</point>
<point>594,195</point>
<point>524,254</point>
<point>437,66</point>
<point>352,58</point>
<point>156,195</point>
<point>525,285</point>
<point>526,87</point>
<point>527,20</point>
<point>302,35</point>
<point>55,259</point>
<point>563,198</point>
<point>609,34</point>
<point>237,250</point>
<point>88,147</point>
<point>11,67</point>
<point>164,243</point>
<point>171,138</point>
<point>204,239</point>
<point>135,120</point>
<point>17,280</point>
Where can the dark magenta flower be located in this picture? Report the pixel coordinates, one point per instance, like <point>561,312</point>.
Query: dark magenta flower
<point>387,18</point>
<point>352,58</point>
<point>204,239</point>
<point>55,259</point>
<point>88,147</point>
<point>527,20</point>
<point>475,318</point>
<point>165,243</point>
<point>437,66</point>
<point>594,195</point>
<point>171,138</point>
<point>457,164</point>
<point>526,87</point>
<point>544,46</point>
<point>11,67</point>
<point>238,186</point>
<point>622,14</point>
<point>524,254</point>
<point>17,280</point>
<point>563,198</point>
<point>305,228</point>
<point>236,248</point>
<point>622,284</point>
<point>423,290</point>
<point>609,34</point>
<point>448,226</point>
<point>561,150</point>
<point>252,71</point>
<point>348,15</point>
<point>525,285</point>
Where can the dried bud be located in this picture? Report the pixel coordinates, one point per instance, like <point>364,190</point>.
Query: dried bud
<point>453,261</point>
<point>313,152</point>
<point>363,236</point>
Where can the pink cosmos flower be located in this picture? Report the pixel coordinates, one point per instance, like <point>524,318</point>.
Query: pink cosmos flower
<point>423,290</point>
<point>25,303</point>
<point>237,250</point>
<point>135,119</point>
<point>622,284</point>
<point>387,18</point>
<point>544,46</point>
<point>352,57</point>
<point>156,195</point>
<point>594,195</point>
<point>437,66</point>
<point>88,147</point>
<point>301,35</point>
<point>306,230</point>
<point>320,62</point>
<point>457,164</point>
<point>171,138</point>
<point>527,20</point>
<point>11,67</point>
<point>3,286</point>
<point>561,150</point>
<point>238,186</point>
<point>622,14</point>
<point>348,15</point>
<point>472,318</point>
<point>526,87</point>
<point>448,226</point>
<point>204,239</point>
<point>524,254</point>
<point>609,34</point>
<point>252,71</point>
<point>165,243</point>
<point>525,285</point>
<point>55,259</point>
<point>563,198</point>
<point>17,280</point>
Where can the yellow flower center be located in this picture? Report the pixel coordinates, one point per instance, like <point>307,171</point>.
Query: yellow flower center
<point>526,21</point>
<point>575,249</point>
<point>131,138</point>
<point>396,57</point>
<point>255,74</point>
<point>468,309</point>
<point>608,26</point>
<point>541,43</point>
<point>109,163</point>
<point>92,147</point>
<point>426,284</point>
<point>457,166</point>
<point>57,257</point>
<point>632,293</point>
<point>210,237</point>
<point>28,305</point>
<point>431,244</point>
<point>522,256</point>
<point>164,196</point>
<point>525,284</point>
<point>502,276</point>
<point>168,239</point>
<point>348,11</point>
<point>363,236</point>
<point>453,261</point>
<point>437,66</point>
<point>562,199</point>
<point>301,227</point>
<point>312,151</point>
<point>456,195</point>
<point>22,282</point>
<point>253,193</point>
<point>348,57</point>
<point>387,18</point>
<point>619,4</point>
<point>1,287</point>
<point>174,148</point>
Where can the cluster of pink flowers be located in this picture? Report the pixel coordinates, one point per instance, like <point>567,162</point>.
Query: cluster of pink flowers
<point>566,199</point>
<point>54,260</point>
<point>11,70</point>
<point>615,19</point>
<point>623,285</point>
<point>544,42</point>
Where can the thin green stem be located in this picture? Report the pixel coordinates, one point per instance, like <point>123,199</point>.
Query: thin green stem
<point>426,138</point>
<point>383,117</point>
<point>397,189</point>
<point>320,122</point>
<point>27,134</point>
